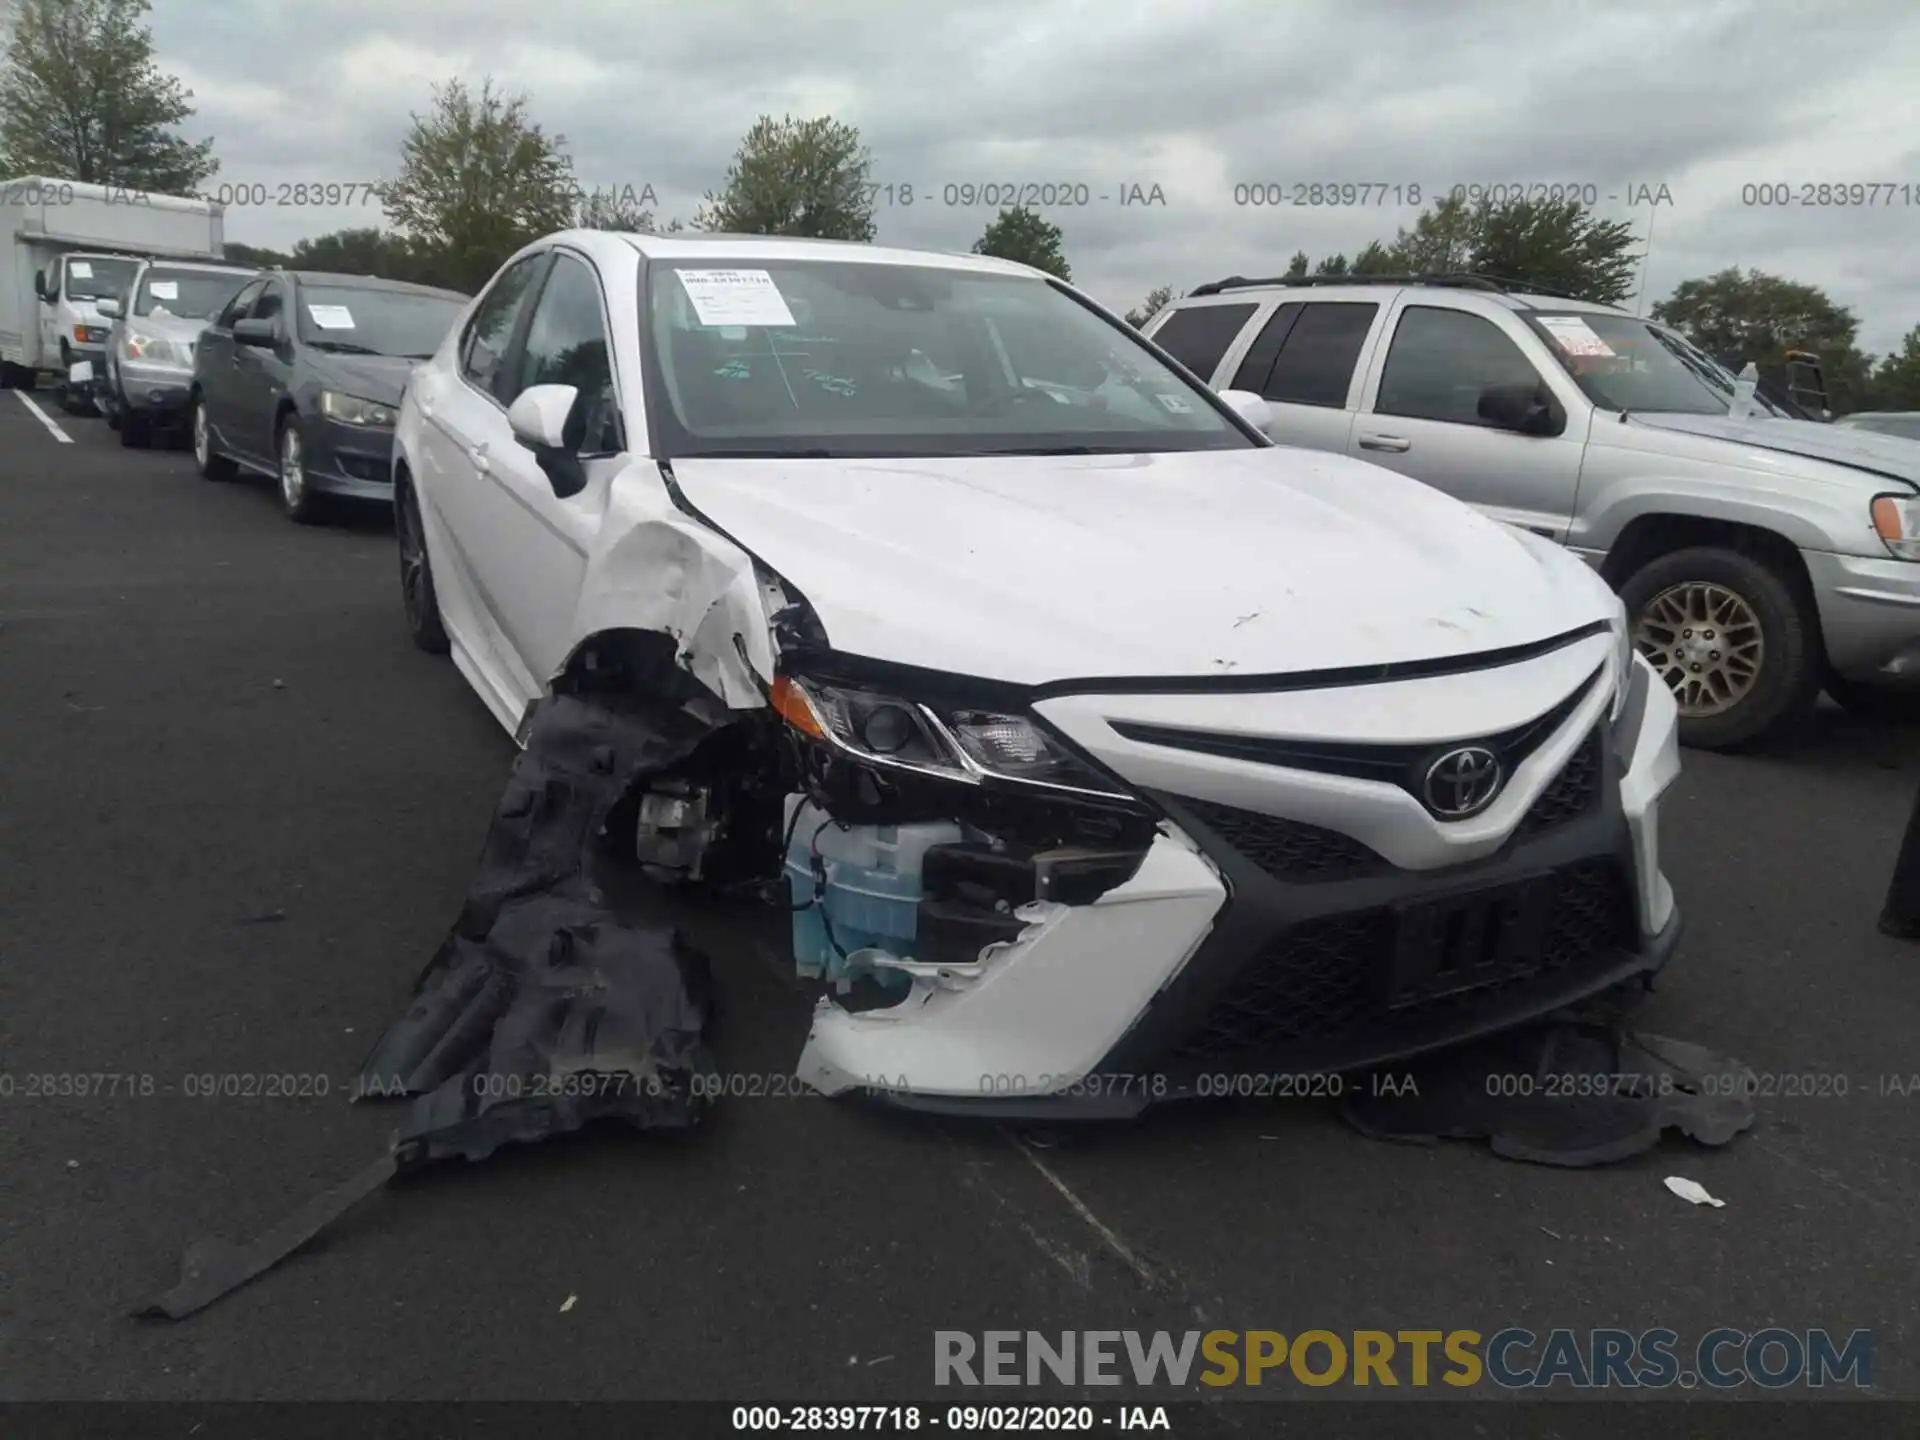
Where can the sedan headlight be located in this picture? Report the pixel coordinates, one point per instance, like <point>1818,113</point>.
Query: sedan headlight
<point>968,746</point>
<point>152,350</point>
<point>1896,520</point>
<point>352,410</point>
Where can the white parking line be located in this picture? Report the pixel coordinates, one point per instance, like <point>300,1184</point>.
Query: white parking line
<point>45,419</point>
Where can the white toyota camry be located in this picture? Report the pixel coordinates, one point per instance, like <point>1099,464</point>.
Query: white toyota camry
<point>1106,750</point>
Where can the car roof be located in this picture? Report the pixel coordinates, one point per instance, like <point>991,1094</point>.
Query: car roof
<point>1349,287</point>
<point>722,245</point>
<point>342,281</point>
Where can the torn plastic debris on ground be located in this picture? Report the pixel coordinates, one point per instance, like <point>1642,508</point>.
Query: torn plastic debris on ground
<point>1567,1092</point>
<point>543,1009</point>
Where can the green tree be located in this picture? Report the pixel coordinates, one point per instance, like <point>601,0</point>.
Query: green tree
<point>1441,241</point>
<point>1737,316</point>
<point>1297,267</point>
<point>253,255</point>
<point>1376,259</point>
<point>1023,235</point>
<point>796,177</point>
<point>478,179</point>
<point>1896,380</point>
<point>1157,300</point>
<point>383,253</point>
<point>1559,245</point>
<point>1333,266</point>
<point>82,99</point>
<point>622,209</point>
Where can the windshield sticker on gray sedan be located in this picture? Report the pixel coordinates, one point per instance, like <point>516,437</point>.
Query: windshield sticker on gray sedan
<point>331,317</point>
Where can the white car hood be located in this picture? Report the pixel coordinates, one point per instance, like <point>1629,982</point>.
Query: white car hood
<point>1889,455</point>
<point>1037,569</point>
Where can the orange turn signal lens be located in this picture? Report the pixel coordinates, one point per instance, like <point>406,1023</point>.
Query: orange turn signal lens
<point>791,704</point>
<point>1886,519</point>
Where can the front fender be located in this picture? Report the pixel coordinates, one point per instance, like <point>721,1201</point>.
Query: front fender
<point>653,567</point>
<point>1817,519</point>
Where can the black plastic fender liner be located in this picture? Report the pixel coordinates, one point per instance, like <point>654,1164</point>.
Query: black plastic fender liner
<point>545,1008</point>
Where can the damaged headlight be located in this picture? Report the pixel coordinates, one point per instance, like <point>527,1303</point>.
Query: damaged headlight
<point>969,746</point>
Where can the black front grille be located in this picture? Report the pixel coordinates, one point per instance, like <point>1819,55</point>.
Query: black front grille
<point>1572,793</point>
<point>1287,849</point>
<point>1338,975</point>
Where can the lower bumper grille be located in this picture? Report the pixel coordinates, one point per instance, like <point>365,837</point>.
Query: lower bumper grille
<point>1288,849</point>
<point>1340,975</point>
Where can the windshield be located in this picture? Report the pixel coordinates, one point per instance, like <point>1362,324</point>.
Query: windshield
<point>854,358</point>
<point>96,277</point>
<point>364,320</point>
<point>1623,363</point>
<point>187,294</point>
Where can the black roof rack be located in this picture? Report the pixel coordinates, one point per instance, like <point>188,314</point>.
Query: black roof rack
<point>1455,282</point>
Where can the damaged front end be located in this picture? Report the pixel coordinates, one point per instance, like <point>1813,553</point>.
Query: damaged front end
<point>990,910</point>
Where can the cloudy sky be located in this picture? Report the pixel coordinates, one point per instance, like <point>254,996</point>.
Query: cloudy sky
<point>1197,97</point>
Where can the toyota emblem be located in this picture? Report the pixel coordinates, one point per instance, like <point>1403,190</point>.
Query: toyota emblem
<point>1462,782</point>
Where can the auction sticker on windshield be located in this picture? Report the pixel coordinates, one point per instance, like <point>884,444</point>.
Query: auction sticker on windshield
<point>79,269</point>
<point>1574,335</point>
<point>165,289</point>
<point>736,297</point>
<point>331,317</point>
<point>1174,405</point>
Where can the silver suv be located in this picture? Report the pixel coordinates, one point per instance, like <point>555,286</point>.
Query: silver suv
<point>1760,557</point>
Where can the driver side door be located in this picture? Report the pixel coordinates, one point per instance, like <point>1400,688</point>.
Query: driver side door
<point>215,359</point>
<point>1419,415</point>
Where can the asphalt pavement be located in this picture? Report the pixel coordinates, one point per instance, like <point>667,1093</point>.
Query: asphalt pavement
<point>238,810</point>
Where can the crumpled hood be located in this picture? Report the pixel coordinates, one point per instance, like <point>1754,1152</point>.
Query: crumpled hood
<point>378,378</point>
<point>1035,569</point>
<point>1888,455</point>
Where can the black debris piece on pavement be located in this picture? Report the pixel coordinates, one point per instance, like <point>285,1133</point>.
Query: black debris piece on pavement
<point>543,1010</point>
<point>1562,1093</point>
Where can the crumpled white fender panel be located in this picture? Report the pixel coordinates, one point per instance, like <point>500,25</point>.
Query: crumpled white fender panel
<point>1045,1008</point>
<point>653,567</point>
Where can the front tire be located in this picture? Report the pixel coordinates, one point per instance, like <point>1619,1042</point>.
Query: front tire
<point>417,594</point>
<point>296,490</point>
<point>1733,638</point>
<point>210,462</point>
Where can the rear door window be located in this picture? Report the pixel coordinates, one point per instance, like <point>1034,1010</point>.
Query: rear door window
<point>1315,364</point>
<point>1198,336</point>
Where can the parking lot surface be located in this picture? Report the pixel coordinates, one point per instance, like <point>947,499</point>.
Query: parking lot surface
<point>238,811</point>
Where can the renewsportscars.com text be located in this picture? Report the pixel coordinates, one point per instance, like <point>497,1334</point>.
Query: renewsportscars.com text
<point>1513,1358</point>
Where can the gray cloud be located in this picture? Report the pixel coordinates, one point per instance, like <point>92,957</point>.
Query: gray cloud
<point>1703,99</point>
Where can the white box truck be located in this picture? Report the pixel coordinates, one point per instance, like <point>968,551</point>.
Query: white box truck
<point>64,246</point>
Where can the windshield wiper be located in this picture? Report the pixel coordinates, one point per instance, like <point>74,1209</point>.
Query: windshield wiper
<point>341,347</point>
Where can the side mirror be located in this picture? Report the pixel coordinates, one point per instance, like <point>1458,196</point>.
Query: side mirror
<point>1249,407</point>
<point>1525,409</point>
<point>110,308</point>
<point>261,333</point>
<point>539,418</point>
<point>40,286</point>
